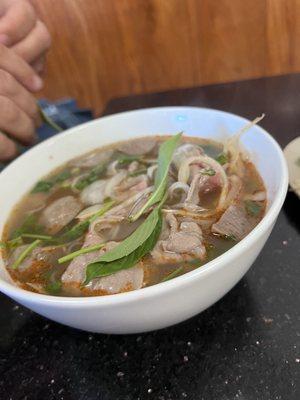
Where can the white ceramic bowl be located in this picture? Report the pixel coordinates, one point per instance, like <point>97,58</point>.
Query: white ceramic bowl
<point>170,302</point>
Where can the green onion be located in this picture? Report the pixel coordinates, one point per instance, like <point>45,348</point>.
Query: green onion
<point>127,159</point>
<point>45,185</point>
<point>253,208</point>
<point>138,172</point>
<point>3,245</point>
<point>25,253</point>
<point>79,229</point>
<point>173,274</point>
<point>77,253</point>
<point>34,236</point>
<point>53,287</point>
<point>222,159</point>
<point>208,171</point>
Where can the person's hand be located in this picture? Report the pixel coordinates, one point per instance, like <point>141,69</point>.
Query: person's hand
<point>19,114</point>
<point>21,30</point>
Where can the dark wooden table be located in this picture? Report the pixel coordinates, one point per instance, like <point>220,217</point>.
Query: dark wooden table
<point>247,346</point>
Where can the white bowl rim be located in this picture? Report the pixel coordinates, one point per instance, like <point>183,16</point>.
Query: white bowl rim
<point>174,284</point>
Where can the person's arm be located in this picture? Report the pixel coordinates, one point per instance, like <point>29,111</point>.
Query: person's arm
<point>24,41</point>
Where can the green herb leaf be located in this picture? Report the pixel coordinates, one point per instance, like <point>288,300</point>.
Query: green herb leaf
<point>138,172</point>
<point>35,236</point>
<point>129,254</point>
<point>45,186</point>
<point>42,187</point>
<point>63,176</point>
<point>173,274</point>
<point>93,176</point>
<point>25,253</point>
<point>136,239</point>
<point>222,158</point>
<point>127,159</point>
<point>53,287</point>
<point>208,171</point>
<point>79,229</point>
<point>3,245</point>
<point>165,156</point>
<point>253,208</point>
<point>77,253</point>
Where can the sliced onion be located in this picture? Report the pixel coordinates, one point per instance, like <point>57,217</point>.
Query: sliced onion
<point>150,171</point>
<point>184,171</point>
<point>112,182</point>
<point>112,168</point>
<point>179,186</point>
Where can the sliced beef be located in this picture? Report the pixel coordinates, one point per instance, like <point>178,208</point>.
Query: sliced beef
<point>185,242</point>
<point>131,186</point>
<point>94,193</point>
<point>59,213</point>
<point>121,281</point>
<point>75,273</point>
<point>137,147</point>
<point>234,222</point>
<point>92,160</point>
<point>40,260</point>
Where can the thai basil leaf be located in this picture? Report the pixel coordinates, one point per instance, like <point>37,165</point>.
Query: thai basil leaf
<point>173,274</point>
<point>165,156</point>
<point>102,268</point>
<point>136,239</point>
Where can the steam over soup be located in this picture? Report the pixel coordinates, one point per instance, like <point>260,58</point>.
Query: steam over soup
<point>132,215</point>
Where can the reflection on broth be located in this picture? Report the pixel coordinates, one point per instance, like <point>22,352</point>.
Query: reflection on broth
<point>132,215</point>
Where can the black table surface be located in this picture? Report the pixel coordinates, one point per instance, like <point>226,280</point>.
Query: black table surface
<point>247,346</point>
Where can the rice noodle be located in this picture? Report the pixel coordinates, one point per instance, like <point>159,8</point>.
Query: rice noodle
<point>112,168</point>
<point>150,171</point>
<point>258,196</point>
<point>184,171</point>
<point>105,222</point>
<point>178,186</point>
<point>186,213</point>
<point>232,144</point>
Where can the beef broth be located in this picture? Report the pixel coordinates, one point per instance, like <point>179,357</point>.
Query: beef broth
<point>132,215</point>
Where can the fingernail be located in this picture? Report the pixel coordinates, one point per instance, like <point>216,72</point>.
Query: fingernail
<point>4,39</point>
<point>36,83</point>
